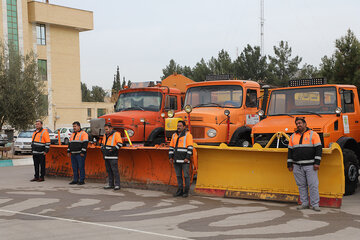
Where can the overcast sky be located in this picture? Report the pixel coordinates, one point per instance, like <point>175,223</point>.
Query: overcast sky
<point>141,36</point>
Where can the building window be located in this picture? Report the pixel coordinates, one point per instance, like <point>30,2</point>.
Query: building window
<point>13,37</point>
<point>41,34</point>
<point>89,112</point>
<point>101,111</point>
<point>42,68</point>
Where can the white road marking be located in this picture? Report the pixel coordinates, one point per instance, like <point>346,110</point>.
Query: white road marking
<point>94,224</point>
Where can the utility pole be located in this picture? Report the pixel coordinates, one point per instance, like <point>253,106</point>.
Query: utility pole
<point>262,20</point>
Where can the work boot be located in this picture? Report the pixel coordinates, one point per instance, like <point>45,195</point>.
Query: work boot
<point>108,187</point>
<point>73,182</point>
<point>41,180</point>
<point>81,183</point>
<point>34,179</point>
<point>186,194</point>
<point>116,188</point>
<point>316,209</point>
<point>179,193</point>
<point>301,207</point>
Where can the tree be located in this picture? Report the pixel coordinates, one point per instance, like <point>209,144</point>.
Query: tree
<point>98,94</point>
<point>171,69</point>
<point>308,71</point>
<point>129,83</point>
<point>22,93</point>
<point>282,67</point>
<point>344,65</point>
<point>222,64</point>
<point>200,71</point>
<point>116,83</point>
<point>250,64</point>
<point>85,93</point>
<point>123,83</point>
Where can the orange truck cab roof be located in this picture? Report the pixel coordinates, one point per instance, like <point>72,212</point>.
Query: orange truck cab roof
<point>209,101</point>
<point>318,104</point>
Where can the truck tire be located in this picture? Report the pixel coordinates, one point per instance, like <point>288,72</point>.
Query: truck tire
<point>351,171</point>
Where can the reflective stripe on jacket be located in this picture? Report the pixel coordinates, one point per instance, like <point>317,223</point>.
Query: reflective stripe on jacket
<point>78,142</point>
<point>182,149</point>
<point>304,149</point>
<point>111,144</point>
<point>40,141</point>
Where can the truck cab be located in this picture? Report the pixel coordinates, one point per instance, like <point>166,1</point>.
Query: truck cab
<point>219,112</point>
<point>141,112</point>
<point>331,110</point>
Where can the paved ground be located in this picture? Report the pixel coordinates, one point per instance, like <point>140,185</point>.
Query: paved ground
<point>55,210</point>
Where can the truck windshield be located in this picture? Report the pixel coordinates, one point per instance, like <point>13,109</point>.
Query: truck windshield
<point>143,101</point>
<point>229,96</point>
<point>300,101</point>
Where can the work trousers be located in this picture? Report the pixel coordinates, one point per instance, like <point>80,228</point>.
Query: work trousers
<point>78,166</point>
<point>112,170</point>
<point>39,161</point>
<point>307,181</point>
<point>181,168</point>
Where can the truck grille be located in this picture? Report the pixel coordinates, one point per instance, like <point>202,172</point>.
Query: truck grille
<point>198,132</point>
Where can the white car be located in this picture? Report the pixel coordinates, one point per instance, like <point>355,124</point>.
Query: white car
<point>53,138</point>
<point>65,134</point>
<point>23,142</point>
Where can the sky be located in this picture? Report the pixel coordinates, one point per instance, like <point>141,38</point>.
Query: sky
<point>141,36</point>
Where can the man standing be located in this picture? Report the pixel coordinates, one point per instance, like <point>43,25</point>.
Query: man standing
<point>180,151</point>
<point>110,146</point>
<point>304,158</point>
<point>77,150</point>
<point>40,145</point>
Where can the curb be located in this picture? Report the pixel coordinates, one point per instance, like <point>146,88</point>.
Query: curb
<point>16,162</point>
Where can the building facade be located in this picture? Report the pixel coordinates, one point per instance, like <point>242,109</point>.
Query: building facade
<point>52,32</point>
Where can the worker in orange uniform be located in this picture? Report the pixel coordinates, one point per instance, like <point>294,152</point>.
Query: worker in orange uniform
<point>40,145</point>
<point>180,152</point>
<point>110,146</point>
<point>304,156</point>
<point>77,151</point>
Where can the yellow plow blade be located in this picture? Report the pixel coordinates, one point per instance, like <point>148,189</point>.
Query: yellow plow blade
<point>140,167</point>
<point>261,173</point>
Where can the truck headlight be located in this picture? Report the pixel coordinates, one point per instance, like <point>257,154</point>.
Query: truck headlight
<point>211,133</point>
<point>338,110</point>
<point>188,109</point>
<point>130,132</point>
<point>261,113</point>
<point>171,113</point>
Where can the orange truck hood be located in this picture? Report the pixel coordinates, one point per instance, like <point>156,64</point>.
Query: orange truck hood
<point>286,124</point>
<point>204,114</point>
<point>132,117</point>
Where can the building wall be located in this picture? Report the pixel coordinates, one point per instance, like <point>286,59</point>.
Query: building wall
<point>62,53</point>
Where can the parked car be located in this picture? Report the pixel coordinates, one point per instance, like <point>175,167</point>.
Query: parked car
<point>52,135</point>
<point>88,131</point>
<point>65,134</point>
<point>3,139</point>
<point>23,142</point>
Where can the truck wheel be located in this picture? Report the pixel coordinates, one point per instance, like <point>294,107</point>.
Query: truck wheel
<point>243,142</point>
<point>157,141</point>
<point>351,169</point>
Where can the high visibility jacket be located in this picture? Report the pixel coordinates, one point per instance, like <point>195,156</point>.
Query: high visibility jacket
<point>181,146</point>
<point>40,141</point>
<point>78,142</point>
<point>304,149</point>
<point>111,144</point>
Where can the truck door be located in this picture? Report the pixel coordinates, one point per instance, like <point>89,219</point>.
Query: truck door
<point>251,106</point>
<point>350,118</point>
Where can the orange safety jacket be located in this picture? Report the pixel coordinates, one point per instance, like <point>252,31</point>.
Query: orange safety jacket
<point>111,144</point>
<point>40,141</point>
<point>181,146</point>
<point>304,149</point>
<point>78,142</point>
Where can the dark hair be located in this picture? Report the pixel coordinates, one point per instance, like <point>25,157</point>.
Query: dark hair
<point>76,123</point>
<point>183,122</point>
<point>301,119</point>
<point>38,120</point>
<point>108,125</point>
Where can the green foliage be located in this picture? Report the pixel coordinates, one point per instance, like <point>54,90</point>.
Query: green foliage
<point>308,71</point>
<point>250,64</point>
<point>344,65</point>
<point>116,83</point>
<point>97,94</point>
<point>22,93</point>
<point>282,67</point>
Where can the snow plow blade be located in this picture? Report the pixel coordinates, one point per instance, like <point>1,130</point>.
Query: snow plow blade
<point>261,173</point>
<point>139,167</point>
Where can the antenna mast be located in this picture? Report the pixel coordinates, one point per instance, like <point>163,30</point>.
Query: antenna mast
<point>262,27</point>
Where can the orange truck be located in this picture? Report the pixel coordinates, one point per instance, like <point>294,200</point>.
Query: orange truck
<point>141,110</point>
<point>332,110</point>
<point>219,111</point>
